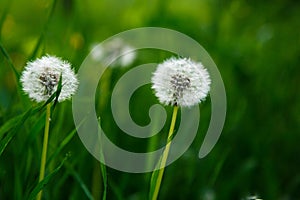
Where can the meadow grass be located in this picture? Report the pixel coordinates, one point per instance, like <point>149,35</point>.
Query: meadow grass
<point>256,47</point>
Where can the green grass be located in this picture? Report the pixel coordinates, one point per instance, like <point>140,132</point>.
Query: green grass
<point>256,46</point>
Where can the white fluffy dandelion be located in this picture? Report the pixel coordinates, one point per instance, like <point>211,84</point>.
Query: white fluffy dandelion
<point>111,52</point>
<point>181,82</point>
<point>253,198</point>
<point>40,78</point>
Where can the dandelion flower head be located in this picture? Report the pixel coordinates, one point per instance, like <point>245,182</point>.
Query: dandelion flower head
<point>40,78</point>
<point>253,198</point>
<point>116,50</point>
<point>181,82</point>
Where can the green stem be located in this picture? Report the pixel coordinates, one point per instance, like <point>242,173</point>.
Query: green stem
<point>165,154</point>
<point>96,181</point>
<point>44,151</point>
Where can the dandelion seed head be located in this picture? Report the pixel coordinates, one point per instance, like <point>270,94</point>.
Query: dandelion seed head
<point>116,50</point>
<point>253,198</point>
<point>49,80</point>
<point>181,82</point>
<point>40,78</point>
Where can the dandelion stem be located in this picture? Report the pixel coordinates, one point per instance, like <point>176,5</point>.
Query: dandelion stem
<point>165,154</point>
<point>44,151</point>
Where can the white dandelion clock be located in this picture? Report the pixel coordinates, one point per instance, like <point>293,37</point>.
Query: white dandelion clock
<point>181,82</point>
<point>254,197</point>
<point>40,79</point>
<point>178,82</point>
<point>116,50</point>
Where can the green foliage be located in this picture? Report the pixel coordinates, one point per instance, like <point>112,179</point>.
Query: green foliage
<point>256,46</point>
<point>45,181</point>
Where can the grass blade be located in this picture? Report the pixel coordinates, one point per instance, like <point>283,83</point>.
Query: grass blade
<point>7,57</point>
<point>36,129</point>
<point>102,166</point>
<point>80,181</point>
<point>57,92</point>
<point>53,96</point>
<point>12,126</point>
<point>46,180</point>
<point>9,125</point>
<point>116,190</point>
<point>40,40</point>
<point>62,145</point>
<point>104,178</point>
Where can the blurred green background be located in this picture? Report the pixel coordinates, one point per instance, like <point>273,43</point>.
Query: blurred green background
<point>256,46</point>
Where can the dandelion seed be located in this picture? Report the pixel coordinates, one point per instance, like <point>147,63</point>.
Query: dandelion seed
<point>181,82</point>
<point>40,78</point>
